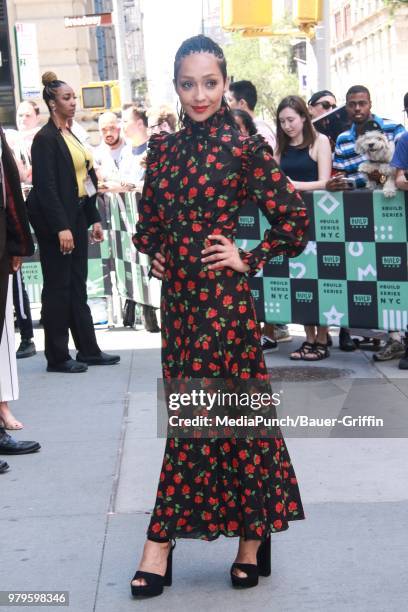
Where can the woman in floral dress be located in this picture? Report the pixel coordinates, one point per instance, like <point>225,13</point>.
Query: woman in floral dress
<point>197,181</point>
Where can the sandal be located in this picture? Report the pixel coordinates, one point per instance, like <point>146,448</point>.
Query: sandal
<point>155,583</point>
<point>305,349</point>
<point>319,352</point>
<point>262,567</point>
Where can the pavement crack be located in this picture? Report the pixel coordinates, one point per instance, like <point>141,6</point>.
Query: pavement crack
<point>116,478</point>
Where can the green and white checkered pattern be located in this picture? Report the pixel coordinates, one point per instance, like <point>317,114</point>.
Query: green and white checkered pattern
<point>353,271</point>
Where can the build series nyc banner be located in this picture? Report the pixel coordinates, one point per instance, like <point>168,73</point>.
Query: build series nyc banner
<point>114,265</point>
<point>352,273</point>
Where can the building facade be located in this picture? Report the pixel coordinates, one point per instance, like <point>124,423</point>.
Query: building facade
<point>369,46</point>
<point>211,22</point>
<point>77,55</point>
<point>136,67</point>
<point>105,51</point>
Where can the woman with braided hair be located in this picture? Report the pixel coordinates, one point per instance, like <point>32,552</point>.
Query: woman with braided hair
<point>197,180</point>
<point>61,207</point>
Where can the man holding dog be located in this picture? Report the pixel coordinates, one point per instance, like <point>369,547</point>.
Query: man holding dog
<point>347,161</point>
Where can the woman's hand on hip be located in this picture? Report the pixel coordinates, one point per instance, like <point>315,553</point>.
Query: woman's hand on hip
<point>66,241</point>
<point>225,254</point>
<point>97,232</point>
<point>157,268</point>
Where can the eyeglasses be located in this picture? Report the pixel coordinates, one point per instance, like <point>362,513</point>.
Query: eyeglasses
<point>325,104</point>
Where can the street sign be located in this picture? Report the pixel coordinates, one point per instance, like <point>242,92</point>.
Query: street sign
<point>27,55</point>
<point>89,21</point>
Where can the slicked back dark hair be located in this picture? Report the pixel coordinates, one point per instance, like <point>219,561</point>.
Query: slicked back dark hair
<point>51,84</point>
<point>356,89</point>
<point>202,44</point>
<point>245,90</point>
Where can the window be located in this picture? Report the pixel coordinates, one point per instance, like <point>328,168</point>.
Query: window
<point>337,25</point>
<point>347,20</point>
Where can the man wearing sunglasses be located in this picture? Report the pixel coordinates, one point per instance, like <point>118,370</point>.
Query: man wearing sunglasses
<point>321,103</point>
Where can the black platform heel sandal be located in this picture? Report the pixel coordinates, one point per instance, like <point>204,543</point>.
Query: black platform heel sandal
<point>262,567</point>
<point>154,582</point>
<point>263,557</point>
<point>245,582</point>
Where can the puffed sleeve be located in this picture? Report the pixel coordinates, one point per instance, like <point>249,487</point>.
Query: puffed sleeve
<point>274,194</point>
<point>149,232</point>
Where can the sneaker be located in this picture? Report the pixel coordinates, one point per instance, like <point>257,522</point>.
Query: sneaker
<point>26,349</point>
<point>282,335</point>
<point>268,345</point>
<point>403,362</point>
<point>392,350</point>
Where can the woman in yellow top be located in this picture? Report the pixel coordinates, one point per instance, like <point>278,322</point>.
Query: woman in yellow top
<point>61,206</point>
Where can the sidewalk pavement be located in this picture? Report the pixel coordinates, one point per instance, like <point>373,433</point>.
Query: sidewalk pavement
<point>73,516</point>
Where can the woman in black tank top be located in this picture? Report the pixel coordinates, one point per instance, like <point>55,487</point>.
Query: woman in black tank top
<point>305,157</point>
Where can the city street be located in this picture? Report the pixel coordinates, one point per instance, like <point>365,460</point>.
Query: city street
<point>171,153</point>
<point>73,516</point>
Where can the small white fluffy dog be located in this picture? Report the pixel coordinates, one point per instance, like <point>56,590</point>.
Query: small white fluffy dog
<point>374,144</point>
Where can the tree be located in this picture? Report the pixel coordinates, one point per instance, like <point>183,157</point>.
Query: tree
<point>393,5</point>
<point>265,62</point>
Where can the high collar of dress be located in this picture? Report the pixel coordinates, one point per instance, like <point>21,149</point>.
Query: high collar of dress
<point>210,125</point>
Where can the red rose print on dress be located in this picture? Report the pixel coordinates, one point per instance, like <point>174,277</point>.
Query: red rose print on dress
<point>197,181</point>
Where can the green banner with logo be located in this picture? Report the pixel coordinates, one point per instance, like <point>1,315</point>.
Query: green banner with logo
<point>131,267</point>
<point>115,254</point>
<point>353,271</point>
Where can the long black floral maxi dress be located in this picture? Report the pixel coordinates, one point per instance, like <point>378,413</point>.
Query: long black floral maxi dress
<point>196,183</point>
